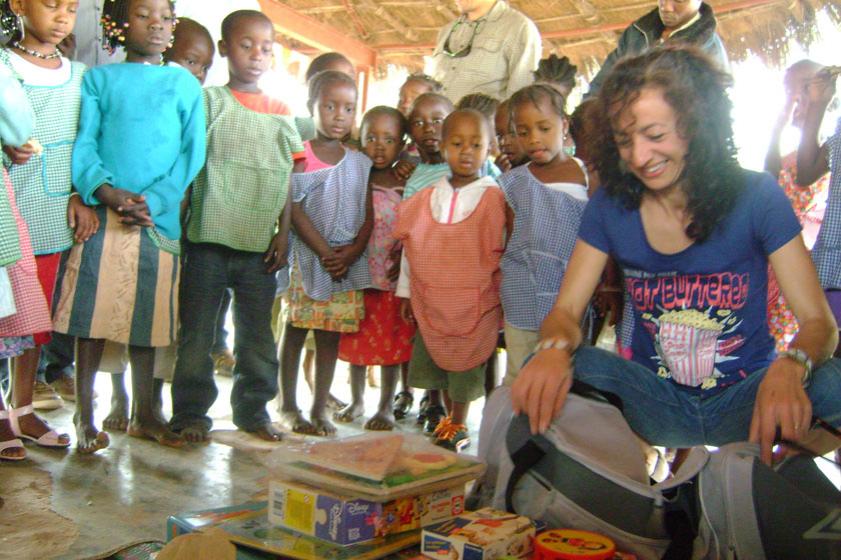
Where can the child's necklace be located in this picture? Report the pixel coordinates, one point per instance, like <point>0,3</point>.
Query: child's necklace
<point>36,54</point>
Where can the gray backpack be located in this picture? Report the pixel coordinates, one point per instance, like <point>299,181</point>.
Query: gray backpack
<point>588,472</point>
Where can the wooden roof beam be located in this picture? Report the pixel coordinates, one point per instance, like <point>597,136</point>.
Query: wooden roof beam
<point>392,21</point>
<point>581,32</point>
<point>357,21</point>
<point>320,36</point>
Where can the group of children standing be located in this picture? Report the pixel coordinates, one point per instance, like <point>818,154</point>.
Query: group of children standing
<point>410,250</point>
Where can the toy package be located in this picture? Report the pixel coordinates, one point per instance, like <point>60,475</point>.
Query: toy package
<point>485,534</point>
<point>346,520</point>
<point>377,467</point>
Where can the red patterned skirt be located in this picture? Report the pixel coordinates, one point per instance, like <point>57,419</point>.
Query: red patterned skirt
<point>384,339</point>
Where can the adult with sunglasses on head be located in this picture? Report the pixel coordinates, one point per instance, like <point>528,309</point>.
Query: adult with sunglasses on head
<point>491,48</point>
<point>686,21</point>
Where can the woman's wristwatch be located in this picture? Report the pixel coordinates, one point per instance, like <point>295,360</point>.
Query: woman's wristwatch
<point>802,358</point>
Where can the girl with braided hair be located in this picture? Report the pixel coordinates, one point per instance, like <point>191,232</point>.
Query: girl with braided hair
<point>141,142</point>
<point>40,170</point>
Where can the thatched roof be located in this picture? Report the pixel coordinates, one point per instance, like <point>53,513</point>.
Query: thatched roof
<point>401,31</point>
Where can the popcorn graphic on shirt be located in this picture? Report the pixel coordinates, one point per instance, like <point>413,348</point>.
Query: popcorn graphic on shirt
<point>687,340</point>
<point>691,343</point>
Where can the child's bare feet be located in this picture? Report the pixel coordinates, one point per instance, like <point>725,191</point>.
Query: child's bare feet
<point>322,426</point>
<point>153,428</point>
<point>117,419</point>
<point>383,420</point>
<point>195,432</point>
<point>349,413</point>
<point>267,432</point>
<point>294,421</point>
<point>88,438</point>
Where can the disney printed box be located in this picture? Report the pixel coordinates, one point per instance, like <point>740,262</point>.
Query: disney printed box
<point>346,521</point>
<point>484,534</point>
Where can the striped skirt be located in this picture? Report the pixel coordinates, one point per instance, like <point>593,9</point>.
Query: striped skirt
<point>119,286</point>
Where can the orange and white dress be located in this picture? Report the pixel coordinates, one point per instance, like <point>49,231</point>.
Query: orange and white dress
<point>453,240</point>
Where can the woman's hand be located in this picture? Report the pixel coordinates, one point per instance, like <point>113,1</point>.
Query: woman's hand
<point>781,402</point>
<point>82,219</point>
<point>541,387</point>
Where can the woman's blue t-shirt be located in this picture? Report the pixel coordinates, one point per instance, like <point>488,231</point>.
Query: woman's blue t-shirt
<point>701,313</point>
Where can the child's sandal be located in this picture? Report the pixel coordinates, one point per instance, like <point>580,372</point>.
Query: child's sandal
<point>10,444</point>
<point>434,414</point>
<point>49,439</point>
<point>424,404</point>
<point>403,404</point>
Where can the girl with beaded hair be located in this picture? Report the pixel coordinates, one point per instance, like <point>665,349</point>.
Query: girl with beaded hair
<point>40,170</point>
<point>141,142</point>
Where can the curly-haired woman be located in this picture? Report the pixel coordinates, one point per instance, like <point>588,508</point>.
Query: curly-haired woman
<point>693,233</point>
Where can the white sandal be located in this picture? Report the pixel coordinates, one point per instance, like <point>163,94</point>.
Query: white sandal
<point>10,444</point>
<point>49,439</point>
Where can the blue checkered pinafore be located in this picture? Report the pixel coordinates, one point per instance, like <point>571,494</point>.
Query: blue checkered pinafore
<point>334,200</point>
<point>545,230</point>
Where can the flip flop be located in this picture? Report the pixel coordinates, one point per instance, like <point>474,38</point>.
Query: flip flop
<point>49,439</point>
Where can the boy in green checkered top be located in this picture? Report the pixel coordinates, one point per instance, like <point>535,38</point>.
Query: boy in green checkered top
<point>237,236</point>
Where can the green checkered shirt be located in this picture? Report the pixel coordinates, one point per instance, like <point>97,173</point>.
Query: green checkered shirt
<point>43,185</point>
<point>241,191</point>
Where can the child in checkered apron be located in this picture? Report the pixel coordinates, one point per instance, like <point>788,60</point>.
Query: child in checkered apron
<point>332,217</point>
<point>453,235</point>
<point>546,198</point>
<point>121,284</point>
<point>23,305</point>
<point>40,170</point>
<point>237,237</point>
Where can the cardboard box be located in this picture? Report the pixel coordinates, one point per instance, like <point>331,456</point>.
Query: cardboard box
<point>346,521</point>
<point>248,527</point>
<point>485,534</point>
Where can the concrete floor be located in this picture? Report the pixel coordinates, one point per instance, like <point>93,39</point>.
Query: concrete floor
<point>125,493</point>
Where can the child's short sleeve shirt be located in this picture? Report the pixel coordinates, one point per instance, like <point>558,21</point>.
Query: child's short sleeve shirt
<point>241,192</point>
<point>700,314</point>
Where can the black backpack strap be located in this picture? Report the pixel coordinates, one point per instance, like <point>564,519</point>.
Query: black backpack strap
<point>527,455</point>
<point>589,392</point>
<point>524,459</point>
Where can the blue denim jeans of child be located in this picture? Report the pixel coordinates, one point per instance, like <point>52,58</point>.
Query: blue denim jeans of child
<point>664,414</point>
<point>209,270</point>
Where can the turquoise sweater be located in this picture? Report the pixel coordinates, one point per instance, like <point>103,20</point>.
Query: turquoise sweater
<point>142,129</point>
